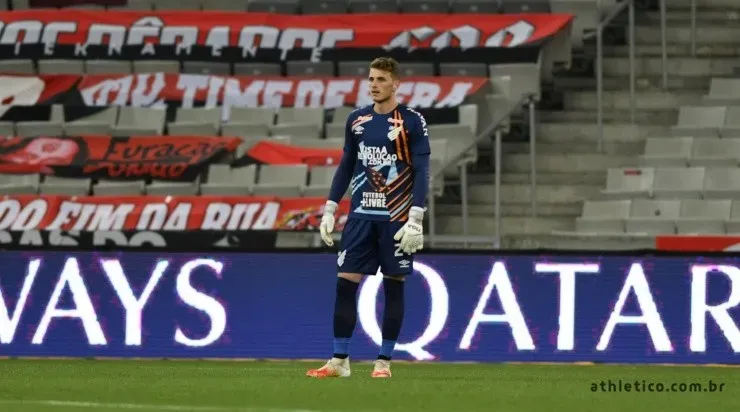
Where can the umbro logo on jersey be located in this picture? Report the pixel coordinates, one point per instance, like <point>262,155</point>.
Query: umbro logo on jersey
<point>393,134</point>
<point>358,130</point>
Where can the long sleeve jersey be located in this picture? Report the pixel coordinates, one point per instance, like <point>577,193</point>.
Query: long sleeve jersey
<point>385,163</point>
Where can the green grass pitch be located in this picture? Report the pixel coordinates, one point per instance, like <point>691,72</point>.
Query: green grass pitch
<point>274,386</point>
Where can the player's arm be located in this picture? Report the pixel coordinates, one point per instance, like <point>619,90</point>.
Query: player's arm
<point>420,155</point>
<point>411,234</point>
<point>343,175</point>
<point>339,184</point>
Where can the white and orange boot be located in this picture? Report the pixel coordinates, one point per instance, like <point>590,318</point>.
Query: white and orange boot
<point>382,369</point>
<point>334,368</point>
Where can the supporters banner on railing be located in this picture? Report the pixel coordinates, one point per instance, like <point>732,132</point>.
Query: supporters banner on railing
<point>237,36</point>
<point>196,90</point>
<point>707,243</point>
<point>171,213</point>
<point>158,157</point>
<point>276,153</point>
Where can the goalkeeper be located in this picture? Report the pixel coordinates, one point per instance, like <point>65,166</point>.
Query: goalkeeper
<point>386,162</point>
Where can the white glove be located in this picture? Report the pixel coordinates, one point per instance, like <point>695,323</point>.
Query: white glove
<point>411,234</point>
<point>327,222</point>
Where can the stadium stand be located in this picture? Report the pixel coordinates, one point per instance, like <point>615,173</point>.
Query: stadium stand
<point>670,172</point>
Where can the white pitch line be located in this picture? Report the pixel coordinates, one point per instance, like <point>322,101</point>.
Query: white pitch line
<point>135,406</point>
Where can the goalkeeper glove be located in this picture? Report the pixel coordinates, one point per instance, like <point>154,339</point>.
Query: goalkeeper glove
<point>411,234</point>
<point>327,222</point>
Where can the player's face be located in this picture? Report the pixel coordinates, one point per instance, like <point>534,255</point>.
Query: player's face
<point>382,85</point>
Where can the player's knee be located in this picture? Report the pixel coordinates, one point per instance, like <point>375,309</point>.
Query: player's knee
<point>400,278</point>
<point>352,277</point>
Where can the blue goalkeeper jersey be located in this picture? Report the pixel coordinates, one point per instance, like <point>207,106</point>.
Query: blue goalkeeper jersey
<point>383,147</point>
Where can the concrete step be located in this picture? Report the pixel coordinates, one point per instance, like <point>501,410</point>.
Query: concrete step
<point>622,148</point>
<point>642,83</point>
<point>521,193</point>
<point>551,178</point>
<point>674,50</point>
<point>485,225</point>
<point>667,117</point>
<point>588,132</point>
<point>558,163</point>
<point>620,99</point>
<point>676,66</point>
<point>571,210</point>
<point>675,34</point>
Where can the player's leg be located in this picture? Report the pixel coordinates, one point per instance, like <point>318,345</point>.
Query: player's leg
<point>395,266</point>
<point>356,256</point>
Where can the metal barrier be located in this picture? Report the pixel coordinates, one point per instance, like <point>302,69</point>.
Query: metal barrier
<point>460,161</point>
<point>600,65</point>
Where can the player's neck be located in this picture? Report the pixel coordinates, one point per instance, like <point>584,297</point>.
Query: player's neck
<point>386,106</point>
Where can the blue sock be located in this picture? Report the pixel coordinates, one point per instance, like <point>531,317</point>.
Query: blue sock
<point>341,347</point>
<point>386,349</point>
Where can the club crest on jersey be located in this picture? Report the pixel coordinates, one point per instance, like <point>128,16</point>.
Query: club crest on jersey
<point>395,128</point>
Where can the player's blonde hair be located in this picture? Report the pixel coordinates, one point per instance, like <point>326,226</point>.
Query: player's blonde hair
<point>386,64</point>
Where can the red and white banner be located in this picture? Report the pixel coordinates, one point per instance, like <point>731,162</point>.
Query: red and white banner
<point>698,243</point>
<point>253,31</point>
<point>171,213</point>
<point>189,90</point>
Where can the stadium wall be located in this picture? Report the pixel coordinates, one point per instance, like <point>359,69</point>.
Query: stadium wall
<point>510,307</point>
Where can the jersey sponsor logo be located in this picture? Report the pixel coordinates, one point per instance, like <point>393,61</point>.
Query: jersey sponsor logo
<point>373,200</point>
<point>375,156</point>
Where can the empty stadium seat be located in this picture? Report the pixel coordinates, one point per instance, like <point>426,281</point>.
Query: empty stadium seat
<point>53,127</point>
<point>320,180</point>
<point>463,69</point>
<point>474,6</point>
<point>223,180</point>
<point>54,185</point>
<point>257,69</point>
<point>703,216</point>
<point>281,180</point>
<point>100,123</point>
<point>299,122</point>
<point>731,127</point>
<point>629,182</point>
<point>721,183</point>
<point>437,161</point>
<point>248,122</point>
<point>667,151</point>
<point>156,66</point>
<point>274,6</point>
<point>712,152</point>
<point>172,188</point>
<point>118,188</point>
<point>425,6</point>
<point>653,216</point>
<point>723,91</point>
<point>17,67</point>
<point>678,182</point>
<point>213,68</point>
<point>340,115</point>
<point>353,69</point>
<point>171,5</point>
<point>525,6</point>
<point>373,6</point>
<point>224,5</point>
<point>19,184</point>
<point>700,121</point>
<point>732,225</point>
<point>108,67</point>
<point>55,66</point>
<point>324,6</point>
<point>607,216</point>
<point>196,121</point>
<point>301,68</point>
<point>417,69</point>
<point>7,129</point>
<point>140,121</point>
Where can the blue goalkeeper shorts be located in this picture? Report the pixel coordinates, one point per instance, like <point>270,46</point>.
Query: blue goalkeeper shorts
<point>368,245</point>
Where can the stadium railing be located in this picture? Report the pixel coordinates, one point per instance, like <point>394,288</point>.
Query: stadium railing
<point>617,10</point>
